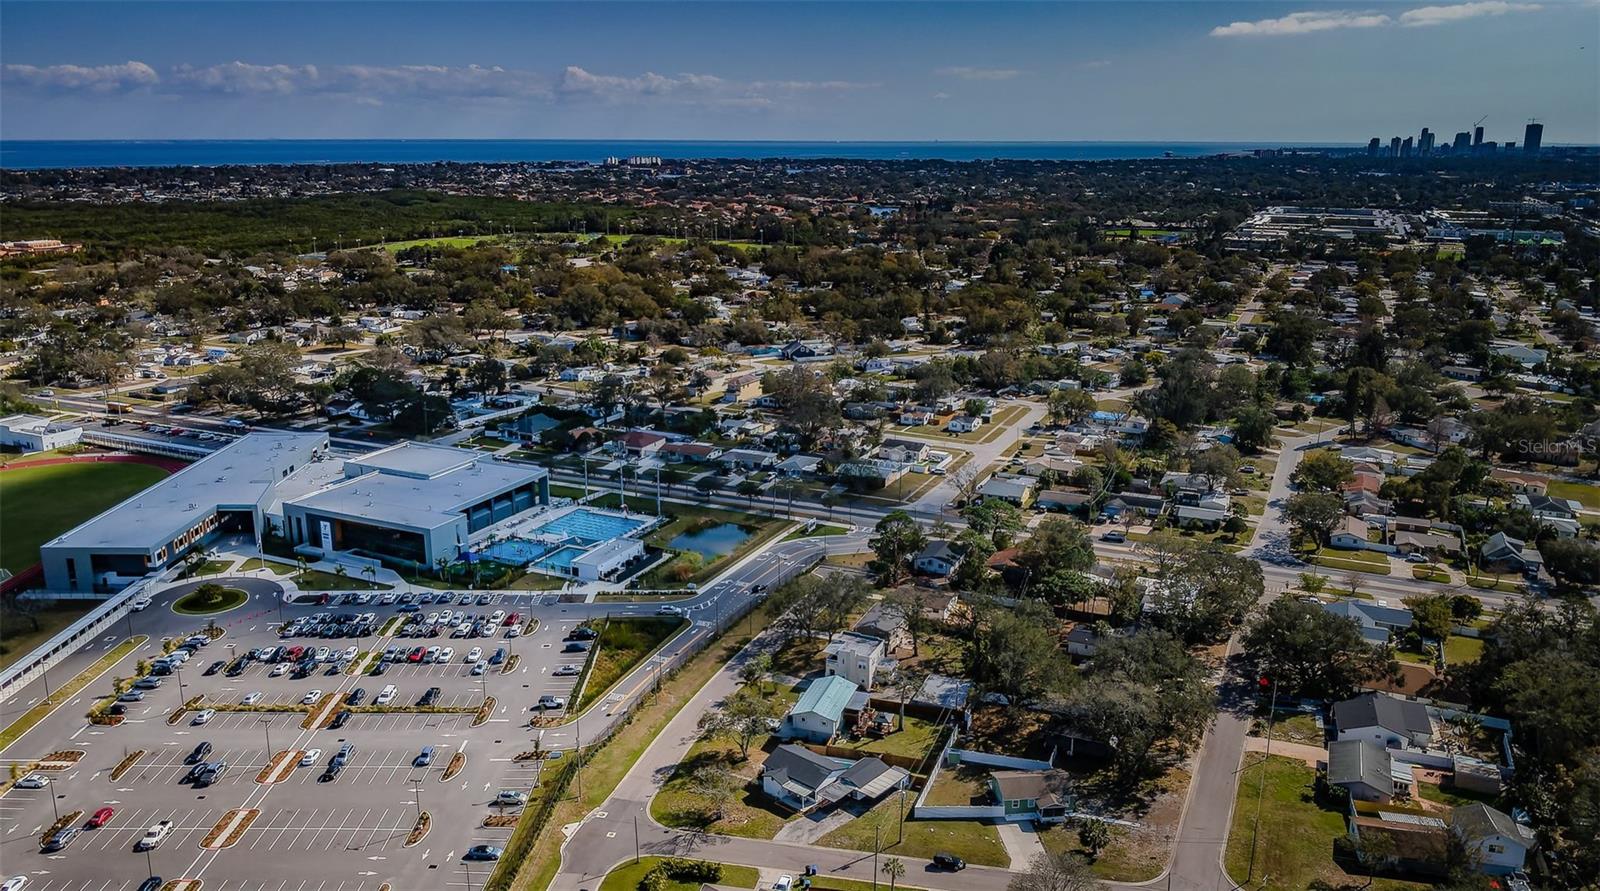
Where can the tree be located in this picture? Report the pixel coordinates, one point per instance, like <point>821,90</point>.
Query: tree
<point>716,786</point>
<point>1308,651</point>
<point>894,868</point>
<point>1057,543</point>
<point>487,376</point>
<point>743,716</point>
<point>897,541</point>
<point>1015,652</point>
<point>1314,515</point>
<point>1067,406</point>
<point>1322,471</point>
<point>1204,594</point>
<point>1054,872</point>
<point>1144,690</point>
<point>1217,466</point>
<point>1431,614</point>
<point>1094,834</point>
<point>996,519</point>
<point>1252,428</point>
<point>1573,562</point>
<point>807,400</point>
<point>756,670</point>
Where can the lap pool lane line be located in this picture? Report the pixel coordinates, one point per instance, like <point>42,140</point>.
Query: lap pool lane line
<point>256,797</point>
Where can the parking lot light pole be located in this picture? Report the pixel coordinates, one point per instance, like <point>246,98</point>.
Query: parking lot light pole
<point>416,788</point>
<point>149,867</point>
<point>266,727</point>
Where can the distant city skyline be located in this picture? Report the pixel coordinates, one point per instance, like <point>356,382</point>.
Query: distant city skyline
<point>1133,71</point>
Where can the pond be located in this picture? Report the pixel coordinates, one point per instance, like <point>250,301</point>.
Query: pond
<point>712,541</point>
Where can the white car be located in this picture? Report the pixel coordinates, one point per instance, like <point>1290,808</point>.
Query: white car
<point>15,883</point>
<point>388,598</point>
<point>386,695</point>
<point>279,670</point>
<point>432,618</point>
<point>154,836</point>
<point>178,656</point>
<point>204,716</point>
<point>548,701</point>
<point>446,654</point>
<point>310,757</point>
<point>474,654</point>
<point>251,698</point>
<point>349,653</point>
<point>514,631</point>
<point>310,697</point>
<point>496,617</point>
<point>784,883</point>
<point>322,654</point>
<point>140,605</point>
<point>32,781</point>
<point>364,598</point>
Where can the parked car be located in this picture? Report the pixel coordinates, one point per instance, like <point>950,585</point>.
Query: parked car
<point>310,757</point>
<point>100,818</point>
<point>339,720</point>
<point>60,840</point>
<point>215,667</point>
<point>154,836</point>
<point>548,701</point>
<point>311,697</point>
<point>482,852</point>
<point>424,757</point>
<point>949,861</point>
<point>566,671</point>
<point>199,754</point>
<point>203,716</point>
<point>251,698</point>
<point>511,798</point>
<point>386,695</point>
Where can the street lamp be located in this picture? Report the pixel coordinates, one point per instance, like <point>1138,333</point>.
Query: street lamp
<point>51,781</point>
<point>266,727</point>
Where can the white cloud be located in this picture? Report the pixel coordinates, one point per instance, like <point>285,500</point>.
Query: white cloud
<point>95,78</point>
<point>967,72</point>
<point>941,96</point>
<point>706,89</point>
<point>1095,63</point>
<point>368,81</point>
<point>1439,15</point>
<point>1303,23</point>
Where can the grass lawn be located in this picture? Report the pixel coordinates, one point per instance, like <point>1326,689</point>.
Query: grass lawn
<point>21,631</point>
<point>1119,861</point>
<point>817,531</point>
<point>255,563</point>
<point>206,567</point>
<point>538,581</point>
<point>560,491</point>
<point>912,742</point>
<point>1331,559</point>
<point>1295,846</point>
<point>963,786</point>
<point>196,603</point>
<point>43,502</point>
<point>1430,574</point>
<point>627,877</point>
<point>316,579</point>
<point>453,241</point>
<point>1459,650</point>
<point>623,644</point>
<point>67,691</point>
<point>751,814</point>
<point>1454,797</point>
<point>1505,584</point>
<point>971,841</point>
<point>1584,493</point>
<point>1301,729</point>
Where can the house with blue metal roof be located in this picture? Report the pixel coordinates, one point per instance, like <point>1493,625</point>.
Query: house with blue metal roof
<point>819,714</point>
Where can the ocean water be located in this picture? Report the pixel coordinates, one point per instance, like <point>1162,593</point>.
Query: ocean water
<point>42,154</point>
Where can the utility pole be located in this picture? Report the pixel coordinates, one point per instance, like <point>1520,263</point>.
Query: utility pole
<point>635,838</point>
<point>1261,785</point>
<point>877,845</point>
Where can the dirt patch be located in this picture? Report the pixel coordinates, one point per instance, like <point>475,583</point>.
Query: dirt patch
<point>182,885</point>
<point>500,821</point>
<point>65,821</point>
<point>125,764</point>
<point>230,828</point>
<point>457,761</point>
<point>272,769</point>
<point>484,711</point>
<point>419,831</point>
<point>60,760</point>
<point>511,664</point>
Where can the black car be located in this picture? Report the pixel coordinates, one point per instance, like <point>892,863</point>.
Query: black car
<point>117,708</point>
<point>339,720</point>
<point>215,667</point>
<point>949,861</point>
<point>236,669</point>
<point>379,669</point>
<point>429,697</point>
<point>199,754</point>
<point>151,884</point>
<point>331,774</point>
<point>195,772</point>
<point>211,774</point>
<point>583,632</point>
<point>356,696</point>
<point>482,852</point>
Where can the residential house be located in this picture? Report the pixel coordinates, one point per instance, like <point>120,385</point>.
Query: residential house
<point>801,350</point>
<point>887,624</point>
<point>1520,483</point>
<point>1366,770</point>
<point>691,452</point>
<point>854,657</point>
<point>742,388</point>
<point>1501,551</point>
<point>1500,845</point>
<point>903,451</point>
<point>819,713</point>
<point>964,424</point>
<point>748,459</point>
<point>1526,356</point>
<point>1377,623</point>
<point>940,558</point>
<point>1385,720</point>
<point>1366,504</point>
<point>1139,504</point>
<point>1351,535</point>
<point>1430,543</point>
<point>642,443</point>
<point>802,779</point>
<point>1010,487</point>
<point>1064,501</point>
<point>1044,796</point>
<point>1560,514</point>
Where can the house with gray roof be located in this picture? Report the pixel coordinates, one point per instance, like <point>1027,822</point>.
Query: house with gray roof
<point>1366,770</point>
<point>1499,843</point>
<point>1511,553</point>
<point>1377,623</point>
<point>801,779</point>
<point>1384,720</point>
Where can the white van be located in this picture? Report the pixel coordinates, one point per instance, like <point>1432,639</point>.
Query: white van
<point>386,695</point>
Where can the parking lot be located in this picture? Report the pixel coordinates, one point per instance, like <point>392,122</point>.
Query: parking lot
<point>346,833</point>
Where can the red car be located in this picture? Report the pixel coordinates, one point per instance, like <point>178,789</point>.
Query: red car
<point>416,655</point>
<point>101,817</point>
<point>513,619</point>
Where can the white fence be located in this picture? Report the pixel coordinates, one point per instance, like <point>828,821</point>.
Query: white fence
<point>63,644</point>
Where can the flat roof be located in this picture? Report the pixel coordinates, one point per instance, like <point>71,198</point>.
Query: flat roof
<point>399,498</point>
<point>241,474</point>
<point>416,459</point>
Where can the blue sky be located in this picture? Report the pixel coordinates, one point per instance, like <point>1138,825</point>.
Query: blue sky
<point>1212,71</point>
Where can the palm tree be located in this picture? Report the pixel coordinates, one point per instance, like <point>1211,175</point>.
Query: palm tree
<point>340,571</point>
<point>894,868</point>
<point>371,572</point>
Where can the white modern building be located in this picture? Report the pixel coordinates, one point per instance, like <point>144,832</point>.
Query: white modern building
<point>32,433</point>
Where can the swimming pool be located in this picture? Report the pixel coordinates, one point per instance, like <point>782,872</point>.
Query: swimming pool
<point>589,526</point>
<point>560,562</point>
<point>516,551</point>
